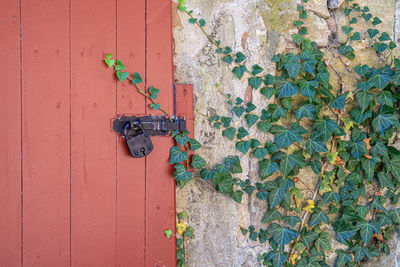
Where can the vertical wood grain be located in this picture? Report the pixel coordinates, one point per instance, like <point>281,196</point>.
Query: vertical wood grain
<point>131,41</point>
<point>45,132</point>
<point>10,135</point>
<point>160,184</point>
<point>93,193</point>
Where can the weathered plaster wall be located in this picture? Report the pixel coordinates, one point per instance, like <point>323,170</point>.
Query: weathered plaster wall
<point>259,28</point>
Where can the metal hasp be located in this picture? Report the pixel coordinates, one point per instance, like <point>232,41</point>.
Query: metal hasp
<point>137,131</point>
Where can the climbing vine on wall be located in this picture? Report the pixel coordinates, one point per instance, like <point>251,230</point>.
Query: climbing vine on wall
<point>343,135</point>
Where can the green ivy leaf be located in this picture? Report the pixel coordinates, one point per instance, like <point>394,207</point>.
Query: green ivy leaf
<point>382,77</point>
<point>367,229</point>
<point>325,127</point>
<point>243,146</point>
<point>267,168</point>
<point>238,111</point>
<point>251,119</point>
<point>242,132</point>
<point>308,87</point>
<point>264,126</point>
<point>376,21</point>
<point>292,65</point>
<point>168,233</point>
<point>358,149</point>
<point>394,167</point>
<point>202,22</point>
<point>176,155</point>
<point>339,102</point>
<point>343,231</point>
<point>260,153</point>
<point>227,59</point>
<point>229,133</point>
<point>298,38</point>
<point>380,47</point>
<point>282,236</point>
<point>256,69</point>
<point>109,61</point>
<point>136,78</point>
<point>255,82</point>
<point>181,174</point>
<point>314,145</point>
<point>372,33</point>
<point>364,99</point>
<point>207,174</point>
<point>385,181</point>
<point>237,196</point>
<point>182,138</point>
<point>361,70</point>
<point>323,242</point>
<point>155,106</point>
<point>194,144</point>
<point>359,116</point>
<point>383,122</point>
<point>331,197</point>
<point>343,258</point>
<point>198,162</point>
<point>369,168</point>
<point>347,29</point>
<point>306,110</point>
<point>240,57</point>
<point>292,220</point>
<point>122,76</point>
<point>285,137</point>
<point>288,162</point>
<point>385,98</point>
<point>360,253</point>
<point>239,71</point>
<point>384,37</point>
<point>285,88</point>
<point>271,215</point>
<point>317,218</point>
<point>120,65</point>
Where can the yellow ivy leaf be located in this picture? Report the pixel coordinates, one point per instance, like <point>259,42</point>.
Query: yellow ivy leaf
<point>298,197</point>
<point>332,157</point>
<point>292,258</point>
<point>324,187</point>
<point>310,206</point>
<point>350,95</point>
<point>180,227</point>
<point>307,156</point>
<point>348,123</point>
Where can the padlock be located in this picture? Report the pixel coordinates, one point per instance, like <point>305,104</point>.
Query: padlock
<point>139,143</point>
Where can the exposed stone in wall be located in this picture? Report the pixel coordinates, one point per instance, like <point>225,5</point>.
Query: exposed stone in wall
<point>260,29</point>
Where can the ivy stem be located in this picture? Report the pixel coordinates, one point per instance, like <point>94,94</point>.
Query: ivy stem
<point>309,188</point>
<point>205,33</point>
<point>202,114</point>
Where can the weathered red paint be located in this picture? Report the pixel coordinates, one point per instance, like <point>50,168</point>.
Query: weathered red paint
<point>10,135</point>
<point>85,201</point>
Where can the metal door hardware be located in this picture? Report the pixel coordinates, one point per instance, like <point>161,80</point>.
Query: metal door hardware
<point>137,131</point>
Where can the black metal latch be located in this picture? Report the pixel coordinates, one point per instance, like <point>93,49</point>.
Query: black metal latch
<point>137,131</point>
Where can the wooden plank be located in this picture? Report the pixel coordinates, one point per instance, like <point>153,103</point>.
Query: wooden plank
<point>160,184</point>
<point>131,40</point>
<point>45,132</point>
<point>93,144</point>
<point>184,105</point>
<point>10,136</point>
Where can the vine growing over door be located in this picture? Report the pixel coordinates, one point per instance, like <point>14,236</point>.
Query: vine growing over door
<point>343,135</point>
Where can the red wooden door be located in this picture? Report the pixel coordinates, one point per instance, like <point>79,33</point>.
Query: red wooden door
<point>70,194</point>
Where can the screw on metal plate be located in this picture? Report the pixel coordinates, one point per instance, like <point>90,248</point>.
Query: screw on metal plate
<point>137,131</point>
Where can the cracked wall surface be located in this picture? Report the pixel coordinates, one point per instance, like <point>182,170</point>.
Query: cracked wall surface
<point>260,29</point>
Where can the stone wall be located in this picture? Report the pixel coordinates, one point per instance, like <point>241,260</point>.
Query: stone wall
<point>259,28</point>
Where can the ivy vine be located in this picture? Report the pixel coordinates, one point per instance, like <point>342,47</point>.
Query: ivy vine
<point>343,135</point>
